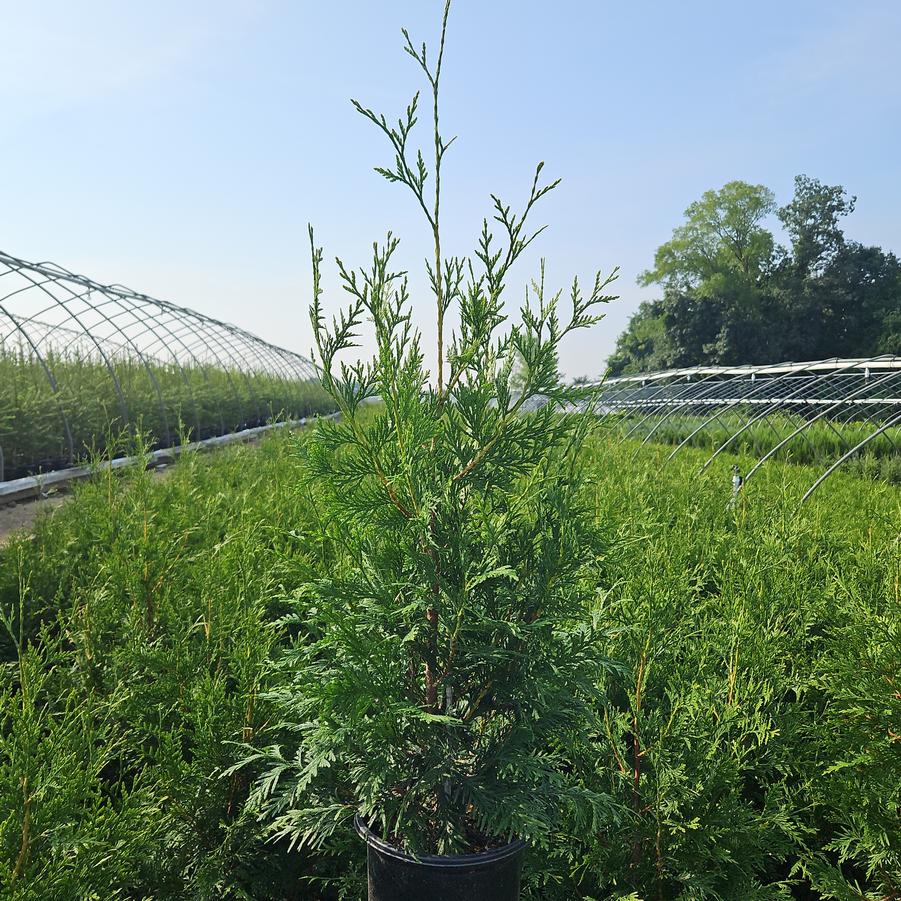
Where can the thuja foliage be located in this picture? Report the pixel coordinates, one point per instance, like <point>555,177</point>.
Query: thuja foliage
<point>749,739</point>
<point>134,629</point>
<point>444,668</point>
<point>754,740</point>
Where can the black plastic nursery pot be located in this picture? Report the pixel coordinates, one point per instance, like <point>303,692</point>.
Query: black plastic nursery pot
<point>395,875</point>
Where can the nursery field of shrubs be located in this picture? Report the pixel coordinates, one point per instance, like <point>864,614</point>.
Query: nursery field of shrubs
<point>42,429</point>
<point>820,443</point>
<point>747,736</point>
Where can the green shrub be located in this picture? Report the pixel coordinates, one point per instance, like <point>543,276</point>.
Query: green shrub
<point>42,429</point>
<point>754,738</point>
<point>148,605</point>
<point>764,640</point>
<point>445,665</point>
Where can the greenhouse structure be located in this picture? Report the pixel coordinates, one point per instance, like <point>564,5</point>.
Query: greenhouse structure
<point>85,365</point>
<point>829,412</point>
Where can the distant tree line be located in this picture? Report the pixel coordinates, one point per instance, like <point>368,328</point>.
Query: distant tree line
<point>732,295</point>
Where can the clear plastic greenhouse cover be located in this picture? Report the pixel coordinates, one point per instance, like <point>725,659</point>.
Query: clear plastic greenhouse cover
<point>827,412</point>
<point>82,362</point>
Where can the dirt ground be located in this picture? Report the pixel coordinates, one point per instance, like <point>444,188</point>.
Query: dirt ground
<point>20,516</point>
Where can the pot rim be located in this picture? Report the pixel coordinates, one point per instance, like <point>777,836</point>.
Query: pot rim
<point>480,858</point>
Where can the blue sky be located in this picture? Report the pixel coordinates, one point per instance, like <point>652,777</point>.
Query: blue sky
<point>182,148</point>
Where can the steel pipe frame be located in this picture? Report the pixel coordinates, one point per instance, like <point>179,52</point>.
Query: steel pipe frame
<point>126,414</point>
<point>291,381</point>
<point>857,447</point>
<point>744,377</point>
<point>271,357</point>
<point>211,338</point>
<point>202,335</point>
<point>675,405</point>
<point>281,370</point>
<point>266,359</point>
<point>305,365</point>
<point>222,335</point>
<point>54,271</point>
<point>842,400</point>
<point>877,363</point>
<point>51,379</point>
<point>115,289</point>
<point>237,346</point>
<point>150,324</point>
<point>227,350</point>
<point>187,329</point>
<point>766,412</point>
<point>644,401</point>
<point>689,385</point>
<point>674,408</point>
<point>854,410</point>
<point>827,382</point>
<point>71,336</point>
<point>228,347</point>
<point>809,422</point>
<point>132,347</point>
<point>826,365</point>
<point>50,328</point>
<point>777,404</point>
<point>275,360</point>
<point>737,373</point>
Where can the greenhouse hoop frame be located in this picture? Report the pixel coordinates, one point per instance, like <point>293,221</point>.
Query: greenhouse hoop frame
<point>53,321</point>
<point>857,400</point>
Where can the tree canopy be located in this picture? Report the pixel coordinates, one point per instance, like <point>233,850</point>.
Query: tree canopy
<point>732,295</point>
<point>721,242</point>
<point>811,220</point>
